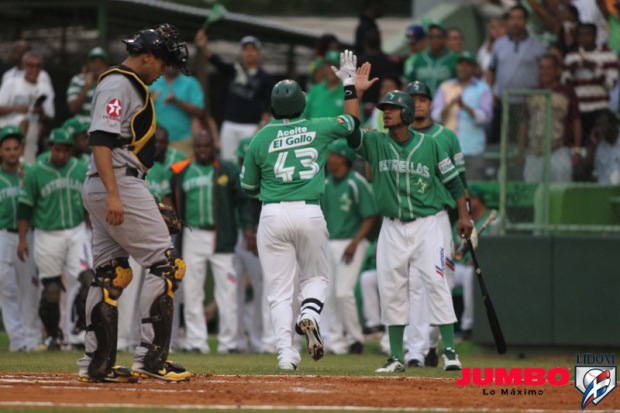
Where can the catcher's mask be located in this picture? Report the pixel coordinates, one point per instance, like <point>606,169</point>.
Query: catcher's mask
<point>162,42</point>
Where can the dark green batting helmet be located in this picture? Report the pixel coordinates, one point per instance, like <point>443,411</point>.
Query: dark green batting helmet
<point>398,98</point>
<point>418,88</point>
<point>287,99</point>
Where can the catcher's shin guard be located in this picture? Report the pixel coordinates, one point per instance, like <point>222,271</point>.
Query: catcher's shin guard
<point>49,305</point>
<point>172,271</point>
<point>112,278</point>
<point>85,278</point>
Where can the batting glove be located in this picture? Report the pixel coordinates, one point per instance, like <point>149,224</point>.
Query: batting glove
<point>474,236</point>
<point>348,68</point>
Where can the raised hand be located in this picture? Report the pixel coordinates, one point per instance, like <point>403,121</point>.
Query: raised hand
<point>348,65</point>
<point>362,83</point>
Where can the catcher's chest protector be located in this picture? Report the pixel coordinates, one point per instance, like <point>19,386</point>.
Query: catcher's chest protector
<point>143,121</point>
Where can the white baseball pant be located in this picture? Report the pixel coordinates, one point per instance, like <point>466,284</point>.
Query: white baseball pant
<point>343,322</point>
<point>19,294</point>
<point>231,133</point>
<point>370,298</point>
<point>198,250</point>
<point>464,276</point>
<point>292,237</point>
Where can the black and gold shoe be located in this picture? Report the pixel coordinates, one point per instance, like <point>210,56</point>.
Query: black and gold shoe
<point>118,374</point>
<point>171,371</point>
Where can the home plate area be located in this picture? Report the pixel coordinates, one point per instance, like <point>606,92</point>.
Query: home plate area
<point>290,392</point>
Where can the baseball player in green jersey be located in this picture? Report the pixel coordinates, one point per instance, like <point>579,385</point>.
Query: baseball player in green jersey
<point>284,167</point>
<point>409,171</point>
<point>126,219</point>
<point>419,332</point>
<point>77,129</point>
<point>51,203</point>
<point>350,212</point>
<point>18,289</point>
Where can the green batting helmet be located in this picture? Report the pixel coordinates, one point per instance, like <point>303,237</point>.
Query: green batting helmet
<point>418,88</point>
<point>398,98</point>
<point>287,99</point>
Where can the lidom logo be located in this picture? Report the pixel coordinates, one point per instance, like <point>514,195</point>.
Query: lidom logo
<point>594,380</point>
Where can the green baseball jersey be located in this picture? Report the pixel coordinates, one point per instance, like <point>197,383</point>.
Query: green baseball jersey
<point>45,156</point>
<point>346,203</point>
<point>324,102</point>
<point>286,159</point>
<point>199,202</point>
<point>55,194</point>
<point>173,156</point>
<point>432,70</point>
<point>370,258</point>
<point>10,184</point>
<point>408,178</point>
<point>158,178</point>
<point>76,84</point>
<point>448,141</point>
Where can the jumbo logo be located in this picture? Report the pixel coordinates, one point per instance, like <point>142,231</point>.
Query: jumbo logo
<point>529,376</point>
<point>291,139</point>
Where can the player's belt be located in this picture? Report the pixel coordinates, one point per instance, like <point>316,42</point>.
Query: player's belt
<point>404,221</point>
<point>128,172</point>
<point>307,202</point>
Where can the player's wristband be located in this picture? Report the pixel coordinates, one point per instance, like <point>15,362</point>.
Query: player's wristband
<point>350,92</point>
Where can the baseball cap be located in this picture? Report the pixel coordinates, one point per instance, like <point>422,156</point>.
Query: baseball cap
<point>75,126</point>
<point>418,88</point>
<point>415,33</point>
<point>332,56</point>
<point>435,23</point>
<point>61,136</point>
<point>251,40</point>
<point>97,52</point>
<point>476,191</point>
<point>342,148</point>
<point>243,147</point>
<point>11,130</point>
<point>467,56</point>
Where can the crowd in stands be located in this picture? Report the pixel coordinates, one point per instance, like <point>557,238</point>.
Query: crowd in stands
<point>573,54</point>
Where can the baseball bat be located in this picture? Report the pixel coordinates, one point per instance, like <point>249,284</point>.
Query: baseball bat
<point>464,247</point>
<point>496,329</point>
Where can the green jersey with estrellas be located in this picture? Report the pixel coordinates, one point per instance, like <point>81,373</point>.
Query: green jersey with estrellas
<point>10,184</point>
<point>407,178</point>
<point>286,159</point>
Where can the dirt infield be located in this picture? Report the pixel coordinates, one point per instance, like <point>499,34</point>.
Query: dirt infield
<point>326,392</point>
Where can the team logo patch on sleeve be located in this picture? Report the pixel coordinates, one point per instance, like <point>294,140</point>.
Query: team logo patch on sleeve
<point>446,166</point>
<point>114,108</point>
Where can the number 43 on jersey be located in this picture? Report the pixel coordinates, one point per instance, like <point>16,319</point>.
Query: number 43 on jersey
<point>305,156</point>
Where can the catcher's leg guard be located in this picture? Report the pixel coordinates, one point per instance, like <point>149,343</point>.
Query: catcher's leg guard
<point>172,271</point>
<point>49,306</point>
<point>112,277</point>
<point>85,279</point>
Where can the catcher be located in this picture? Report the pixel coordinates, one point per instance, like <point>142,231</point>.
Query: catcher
<point>125,218</point>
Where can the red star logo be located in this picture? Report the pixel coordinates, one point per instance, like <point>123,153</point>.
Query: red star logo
<point>114,108</point>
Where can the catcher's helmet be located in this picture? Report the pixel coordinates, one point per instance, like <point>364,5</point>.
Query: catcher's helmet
<point>418,88</point>
<point>398,98</point>
<point>287,99</point>
<point>161,41</point>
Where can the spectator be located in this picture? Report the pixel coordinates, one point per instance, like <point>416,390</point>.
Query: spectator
<point>465,105</point>
<point>18,293</point>
<point>593,72</point>
<point>604,150</point>
<point>455,40</point>
<point>373,9</point>
<point>565,119</point>
<point>495,30</point>
<point>416,37</point>
<point>82,86</point>
<point>381,63</point>
<point>437,63</point>
<point>589,12</point>
<point>178,101</point>
<point>28,103</point>
<point>561,20</point>
<point>249,93</point>
<point>16,56</point>
<point>207,195</point>
<point>514,65</point>
<point>350,213</point>
<point>611,11</point>
<point>326,98</point>
<point>318,66</point>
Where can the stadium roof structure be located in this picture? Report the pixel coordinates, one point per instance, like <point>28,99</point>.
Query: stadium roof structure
<point>117,18</point>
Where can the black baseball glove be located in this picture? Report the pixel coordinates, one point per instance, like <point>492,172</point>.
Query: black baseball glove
<point>173,222</point>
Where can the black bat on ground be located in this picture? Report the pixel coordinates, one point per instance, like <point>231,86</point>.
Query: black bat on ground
<point>496,329</point>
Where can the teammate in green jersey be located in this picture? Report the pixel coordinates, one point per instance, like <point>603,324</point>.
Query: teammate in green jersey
<point>408,172</point>
<point>18,292</point>
<point>350,212</point>
<point>51,202</point>
<point>284,166</point>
